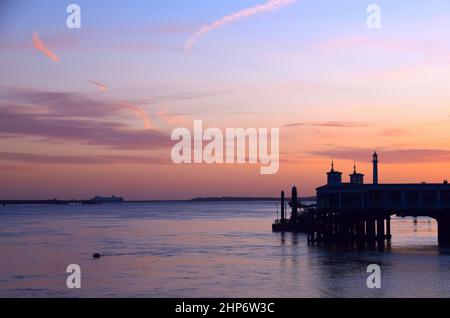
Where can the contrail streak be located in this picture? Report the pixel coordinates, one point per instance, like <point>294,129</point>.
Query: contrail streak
<point>245,13</point>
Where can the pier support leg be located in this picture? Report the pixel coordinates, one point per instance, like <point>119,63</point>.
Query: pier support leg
<point>360,231</point>
<point>370,230</point>
<point>444,230</point>
<point>320,226</point>
<point>388,228</point>
<point>342,228</point>
<point>380,229</point>
<point>294,204</point>
<point>351,229</point>
<point>315,228</point>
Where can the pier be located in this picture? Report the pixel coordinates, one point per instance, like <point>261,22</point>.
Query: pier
<point>361,213</point>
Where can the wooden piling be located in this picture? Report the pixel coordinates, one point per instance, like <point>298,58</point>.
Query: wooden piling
<point>388,228</point>
<point>360,230</point>
<point>380,229</point>
<point>370,230</point>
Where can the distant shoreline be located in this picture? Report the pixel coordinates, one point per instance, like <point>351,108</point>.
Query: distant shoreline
<point>313,198</point>
<point>206,199</point>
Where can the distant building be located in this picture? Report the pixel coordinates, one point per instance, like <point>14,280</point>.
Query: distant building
<point>112,199</point>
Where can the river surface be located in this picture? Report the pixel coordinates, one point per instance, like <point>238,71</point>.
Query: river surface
<point>203,249</point>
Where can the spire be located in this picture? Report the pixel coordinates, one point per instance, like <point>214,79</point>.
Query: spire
<point>334,177</point>
<point>375,156</point>
<point>375,168</point>
<point>355,177</point>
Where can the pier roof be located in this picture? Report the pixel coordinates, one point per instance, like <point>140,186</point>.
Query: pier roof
<point>350,187</point>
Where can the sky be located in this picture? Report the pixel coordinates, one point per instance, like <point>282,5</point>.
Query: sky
<point>90,111</point>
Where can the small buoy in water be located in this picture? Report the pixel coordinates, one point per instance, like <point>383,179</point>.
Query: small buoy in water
<point>96,255</point>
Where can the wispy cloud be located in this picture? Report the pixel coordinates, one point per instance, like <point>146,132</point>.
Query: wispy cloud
<point>178,97</point>
<point>170,118</point>
<point>393,132</point>
<point>110,134</point>
<point>141,114</point>
<point>335,124</point>
<point>102,87</point>
<point>387,155</point>
<point>429,49</point>
<point>81,160</point>
<point>245,13</point>
<point>40,46</point>
<point>73,117</point>
<point>63,104</point>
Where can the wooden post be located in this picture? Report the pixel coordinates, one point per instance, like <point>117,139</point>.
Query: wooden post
<point>444,231</point>
<point>351,227</point>
<point>388,228</point>
<point>360,231</point>
<point>370,228</point>
<point>319,227</point>
<point>294,204</point>
<point>380,228</point>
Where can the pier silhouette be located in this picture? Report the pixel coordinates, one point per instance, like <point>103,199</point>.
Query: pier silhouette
<point>361,213</point>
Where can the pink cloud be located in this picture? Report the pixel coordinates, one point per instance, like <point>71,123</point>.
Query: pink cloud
<point>390,156</point>
<point>40,46</point>
<point>335,124</point>
<point>138,111</point>
<point>169,118</point>
<point>62,116</point>
<point>141,114</point>
<point>355,42</point>
<point>393,132</point>
<point>429,48</point>
<point>81,160</point>
<point>102,87</point>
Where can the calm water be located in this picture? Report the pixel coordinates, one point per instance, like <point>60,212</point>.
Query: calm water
<point>202,250</point>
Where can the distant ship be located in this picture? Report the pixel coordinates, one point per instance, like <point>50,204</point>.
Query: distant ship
<point>98,200</point>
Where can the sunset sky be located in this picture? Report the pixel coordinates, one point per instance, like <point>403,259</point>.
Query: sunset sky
<point>90,111</point>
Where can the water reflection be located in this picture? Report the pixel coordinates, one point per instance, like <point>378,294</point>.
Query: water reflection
<point>205,250</point>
